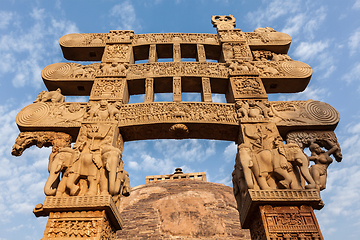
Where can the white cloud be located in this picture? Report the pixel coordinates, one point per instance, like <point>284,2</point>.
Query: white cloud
<point>353,74</point>
<point>311,92</point>
<point>274,10</point>
<point>230,152</point>
<point>5,19</point>
<point>26,51</point>
<point>124,15</point>
<point>354,41</point>
<point>356,5</point>
<point>294,24</point>
<point>309,50</point>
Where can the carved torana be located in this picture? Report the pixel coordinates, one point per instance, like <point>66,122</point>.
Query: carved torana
<point>276,185</point>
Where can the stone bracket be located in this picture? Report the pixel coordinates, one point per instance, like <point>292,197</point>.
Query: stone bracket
<point>283,197</point>
<point>84,203</point>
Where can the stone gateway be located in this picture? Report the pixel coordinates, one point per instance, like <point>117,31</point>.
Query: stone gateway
<point>274,187</point>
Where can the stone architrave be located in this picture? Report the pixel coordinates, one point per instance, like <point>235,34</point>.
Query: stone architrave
<point>272,182</point>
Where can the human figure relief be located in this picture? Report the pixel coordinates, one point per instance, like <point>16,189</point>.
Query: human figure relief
<point>322,160</point>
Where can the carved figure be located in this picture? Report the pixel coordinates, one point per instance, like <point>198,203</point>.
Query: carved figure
<point>111,159</point>
<point>51,96</point>
<point>60,164</point>
<point>322,160</point>
<point>92,109</point>
<point>294,155</point>
<point>239,183</point>
<point>242,109</point>
<point>114,110</point>
<point>86,165</point>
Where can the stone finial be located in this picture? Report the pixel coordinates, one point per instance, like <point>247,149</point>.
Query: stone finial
<point>225,22</point>
<point>178,171</point>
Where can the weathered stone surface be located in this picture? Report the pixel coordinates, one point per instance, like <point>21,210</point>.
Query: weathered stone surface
<point>182,209</point>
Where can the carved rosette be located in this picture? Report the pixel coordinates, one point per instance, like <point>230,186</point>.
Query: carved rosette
<point>111,89</point>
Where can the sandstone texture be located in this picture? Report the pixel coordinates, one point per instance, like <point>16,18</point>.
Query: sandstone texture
<point>181,209</point>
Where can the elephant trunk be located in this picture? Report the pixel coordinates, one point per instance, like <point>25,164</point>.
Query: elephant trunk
<point>112,182</point>
<point>48,188</point>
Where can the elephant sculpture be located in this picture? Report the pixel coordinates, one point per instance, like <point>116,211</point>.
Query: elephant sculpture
<point>111,158</point>
<point>122,184</point>
<point>60,164</point>
<point>87,165</point>
<point>275,163</point>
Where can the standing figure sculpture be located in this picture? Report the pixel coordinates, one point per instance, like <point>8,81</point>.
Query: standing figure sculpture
<point>322,160</point>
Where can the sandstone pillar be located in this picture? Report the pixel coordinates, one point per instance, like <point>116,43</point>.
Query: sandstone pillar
<point>149,90</point>
<point>206,90</point>
<point>176,89</point>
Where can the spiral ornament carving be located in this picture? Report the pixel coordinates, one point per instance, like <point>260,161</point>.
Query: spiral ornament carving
<point>57,70</point>
<point>32,114</point>
<point>72,40</point>
<point>297,69</point>
<point>322,112</point>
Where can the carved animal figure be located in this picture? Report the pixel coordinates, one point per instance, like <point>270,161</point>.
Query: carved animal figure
<point>86,165</point>
<point>61,162</point>
<point>111,158</point>
<point>264,164</point>
<point>114,110</point>
<point>78,72</point>
<point>51,96</point>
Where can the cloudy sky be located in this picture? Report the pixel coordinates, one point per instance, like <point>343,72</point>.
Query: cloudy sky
<point>325,33</point>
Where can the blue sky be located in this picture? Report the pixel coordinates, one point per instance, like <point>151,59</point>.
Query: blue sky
<point>325,33</point>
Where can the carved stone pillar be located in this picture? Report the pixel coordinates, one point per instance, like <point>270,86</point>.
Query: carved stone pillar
<point>206,90</point>
<point>152,53</point>
<point>281,214</point>
<point>91,217</point>
<point>201,56</point>
<point>176,52</point>
<point>149,90</point>
<point>177,89</point>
